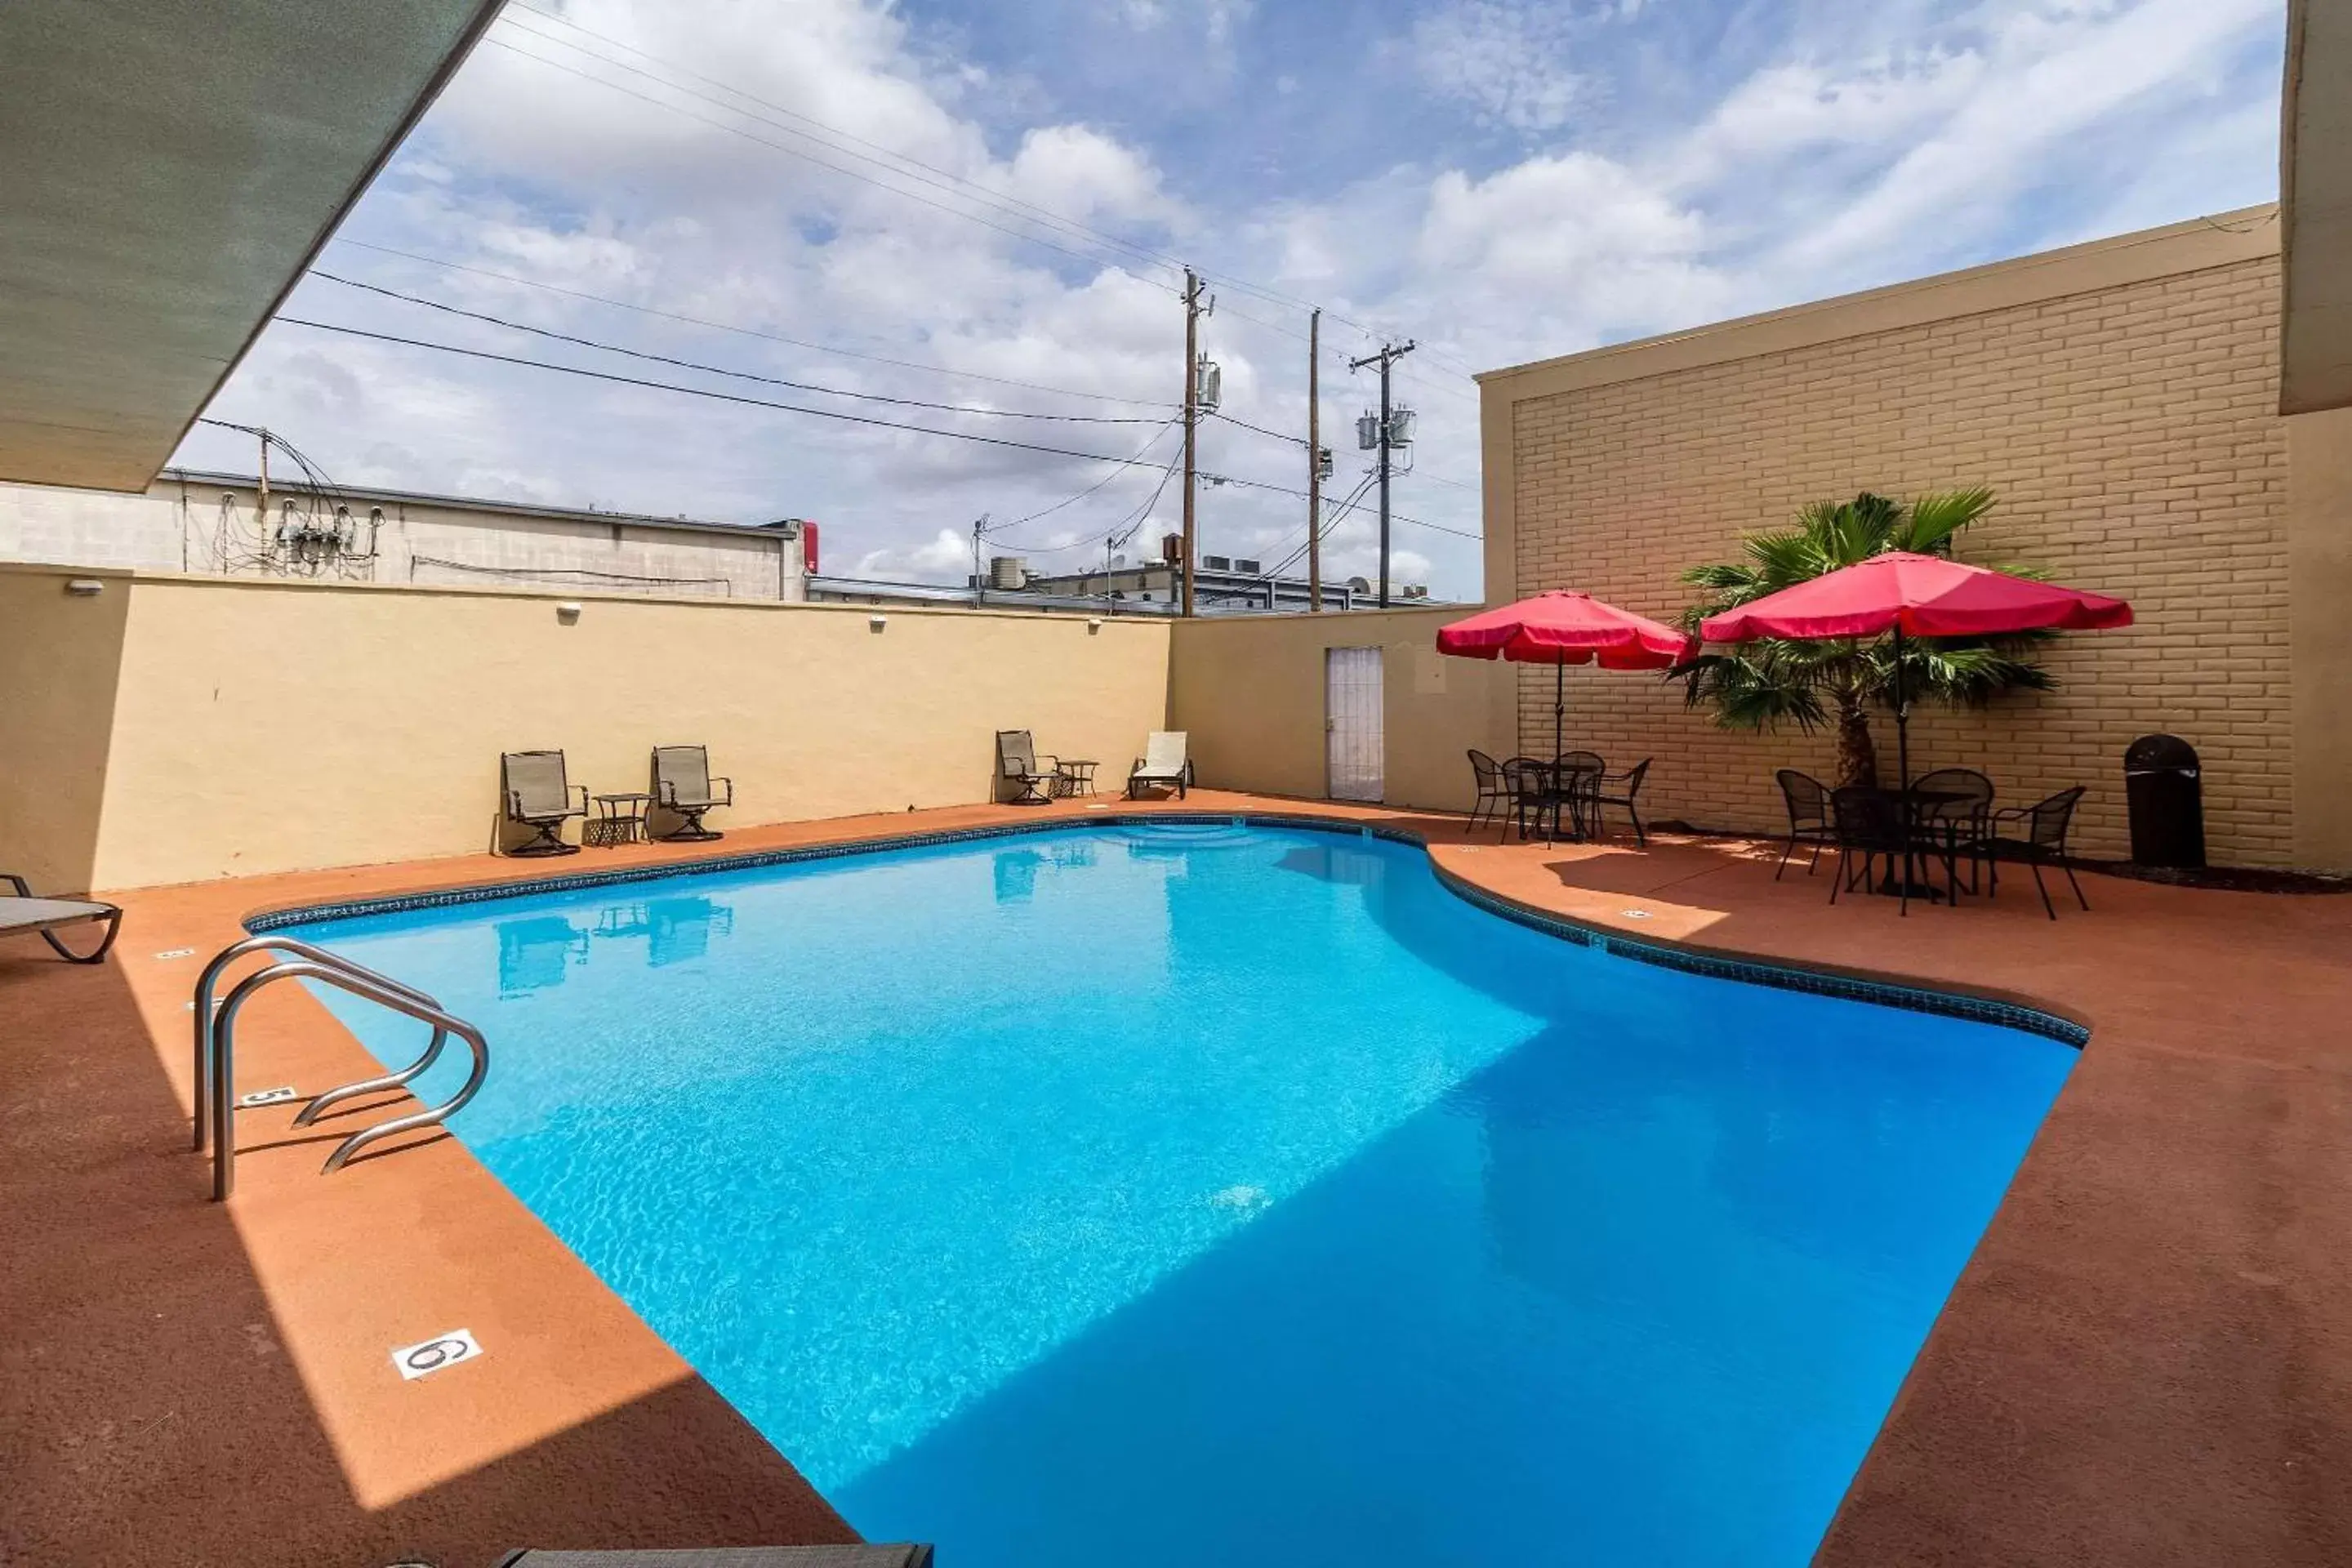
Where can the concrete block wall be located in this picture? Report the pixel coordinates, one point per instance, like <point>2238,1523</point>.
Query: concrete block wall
<point>2131,435</point>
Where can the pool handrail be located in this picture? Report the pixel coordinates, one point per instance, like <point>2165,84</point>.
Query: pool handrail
<point>201,1005</point>
<point>358,982</point>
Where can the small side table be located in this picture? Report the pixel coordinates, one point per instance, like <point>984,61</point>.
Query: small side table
<point>619,819</point>
<point>1076,776</point>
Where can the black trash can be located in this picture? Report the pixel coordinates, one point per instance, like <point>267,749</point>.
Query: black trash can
<point>2167,804</point>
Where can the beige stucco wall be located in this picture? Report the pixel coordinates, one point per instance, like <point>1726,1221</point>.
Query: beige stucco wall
<point>2121,399</point>
<point>253,726</point>
<point>1250,692</point>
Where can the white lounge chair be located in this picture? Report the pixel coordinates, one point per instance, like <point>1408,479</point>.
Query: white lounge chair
<point>1163,764</point>
<point>24,914</point>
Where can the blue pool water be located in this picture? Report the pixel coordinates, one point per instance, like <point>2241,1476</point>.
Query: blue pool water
<point>1234,1195</point>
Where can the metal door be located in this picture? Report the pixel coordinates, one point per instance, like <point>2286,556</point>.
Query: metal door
<point>1351,723</point>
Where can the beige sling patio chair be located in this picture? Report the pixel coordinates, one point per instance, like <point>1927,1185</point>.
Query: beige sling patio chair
<point>1017,764</point>
<point>683,785</point>
<point>535,792</point>
<point>1163,766</point>
<point>23,914</point>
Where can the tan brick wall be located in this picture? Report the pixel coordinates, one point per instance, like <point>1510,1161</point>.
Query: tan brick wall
<point>2132,436</point>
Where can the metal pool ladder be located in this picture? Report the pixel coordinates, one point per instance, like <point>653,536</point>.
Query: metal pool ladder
<point>216,1049</point>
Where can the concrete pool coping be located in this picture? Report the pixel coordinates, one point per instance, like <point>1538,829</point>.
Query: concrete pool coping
<point>2147,1360</point>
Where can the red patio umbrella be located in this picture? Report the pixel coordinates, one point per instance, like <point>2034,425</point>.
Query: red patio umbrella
<point>1561,628</point>
<point>1915,595</point>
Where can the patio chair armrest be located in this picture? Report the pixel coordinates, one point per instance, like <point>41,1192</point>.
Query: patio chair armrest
<point>14,880</point>
<point>729,798</point>
<point>2014,814</point>
<point>581,810</point>
<point>666,794</point>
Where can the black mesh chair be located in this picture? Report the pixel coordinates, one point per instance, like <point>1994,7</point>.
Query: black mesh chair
<point>2042,842</point>
<point>1494,790</point>
<point>1869,823</point>
<point>1958,827</point>
<point>1808,817</point>
<point>1528,783</point>
<point>1576,778</point>
<point>1627,785</point>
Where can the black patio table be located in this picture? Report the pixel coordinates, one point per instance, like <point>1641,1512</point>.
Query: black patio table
<point>1574,792</point>
<point>1912,803</point>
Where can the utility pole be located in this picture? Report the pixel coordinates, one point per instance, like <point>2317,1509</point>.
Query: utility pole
<point>1390,353</point>
<point>979,527</point>
<point>1315,463</point>
<point>1191,416</point>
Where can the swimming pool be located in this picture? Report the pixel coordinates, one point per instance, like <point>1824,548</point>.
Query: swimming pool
<point>1201,1192</point>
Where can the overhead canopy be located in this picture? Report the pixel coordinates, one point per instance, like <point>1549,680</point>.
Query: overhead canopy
<point>2316,197</point>
<point>169,170</point>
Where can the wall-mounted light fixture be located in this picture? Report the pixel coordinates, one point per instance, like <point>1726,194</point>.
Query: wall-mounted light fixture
<point>568,612</point>
<point>85,587</point>
<point>1094,625</point>
<point>875,622</point>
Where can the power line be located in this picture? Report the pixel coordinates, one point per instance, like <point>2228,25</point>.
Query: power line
<point>745,331</point>
<point>720,370</point>
<point>1221,414</point>
<point>955,184</point>
<point>716,397</point>
<point>974,189</point>
<point>1098,484</point>
<point>1286,489</point>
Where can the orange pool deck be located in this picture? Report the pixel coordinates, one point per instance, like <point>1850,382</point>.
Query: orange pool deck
<point>2148,1360</point>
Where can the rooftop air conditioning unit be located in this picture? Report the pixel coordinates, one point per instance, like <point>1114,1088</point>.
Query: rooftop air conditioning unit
<point>1251,567</point>
<point>1215,564</point>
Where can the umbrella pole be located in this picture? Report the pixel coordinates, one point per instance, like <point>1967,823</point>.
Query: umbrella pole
<point>1559,708</point>
<point>1903,767</point>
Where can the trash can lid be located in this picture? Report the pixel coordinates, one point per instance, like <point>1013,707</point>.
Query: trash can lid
<point>2150,753</point>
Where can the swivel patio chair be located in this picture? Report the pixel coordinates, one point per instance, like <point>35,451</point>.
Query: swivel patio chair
<point>1958,828</point>
<point>683,786</point>
<point>2047,824</point>
<point>1493,791</point>
<point>1017,764</point>
<point>1808,800</point>
<point>537,794</point>
<point>1163,766</point>
<point>1630,787</point>
<point>23,914</point>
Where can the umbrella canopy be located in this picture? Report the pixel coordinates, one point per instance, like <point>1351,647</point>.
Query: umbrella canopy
<point>1913,596</point>
<point>1563,627</point>
<point>1916,596</point>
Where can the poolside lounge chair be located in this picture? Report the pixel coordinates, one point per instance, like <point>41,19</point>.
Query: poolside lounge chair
<point>1163,766</point>
<point>683,785</point>
<point>24,914</point>
<point>537,794</point>
<point>1017,764</point>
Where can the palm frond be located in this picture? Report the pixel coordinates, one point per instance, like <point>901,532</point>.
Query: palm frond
<point>1934,518</point>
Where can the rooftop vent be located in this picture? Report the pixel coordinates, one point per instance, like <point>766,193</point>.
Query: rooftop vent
<point>1007,571</point>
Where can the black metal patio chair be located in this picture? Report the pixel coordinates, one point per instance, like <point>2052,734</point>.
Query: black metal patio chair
<point>537,794</point>
<point>1869,823</point>
<point>1628,786</point>
<point>2044,843</point>
<point>1808,800</point>
<point>1577,777</point>
<point>1958,825</point>
<point>1493,791</point>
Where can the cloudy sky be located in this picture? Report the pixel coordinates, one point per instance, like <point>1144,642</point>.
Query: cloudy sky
<point>982,209</point>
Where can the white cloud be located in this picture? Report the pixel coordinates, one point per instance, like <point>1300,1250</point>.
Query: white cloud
<point>1508,61</point>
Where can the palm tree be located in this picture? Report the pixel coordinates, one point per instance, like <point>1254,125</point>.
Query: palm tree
<point>1765,684</point>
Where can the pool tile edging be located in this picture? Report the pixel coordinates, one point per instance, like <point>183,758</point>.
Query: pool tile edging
<point>1784,977</point>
